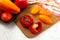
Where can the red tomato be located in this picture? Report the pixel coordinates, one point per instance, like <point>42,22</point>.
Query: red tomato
<point>21,3</point>
<point>6,16</point>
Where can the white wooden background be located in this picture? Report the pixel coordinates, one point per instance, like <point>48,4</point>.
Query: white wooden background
<point>12,32</point>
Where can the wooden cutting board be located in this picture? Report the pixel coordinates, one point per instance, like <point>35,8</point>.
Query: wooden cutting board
<point>27,32</point>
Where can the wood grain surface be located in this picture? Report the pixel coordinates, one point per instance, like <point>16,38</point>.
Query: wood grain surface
<point>27,32</point>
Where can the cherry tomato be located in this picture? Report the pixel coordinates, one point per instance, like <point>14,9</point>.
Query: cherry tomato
<point>6,16</point>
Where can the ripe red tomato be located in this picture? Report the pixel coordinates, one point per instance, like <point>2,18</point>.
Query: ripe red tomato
<point>6,16</point>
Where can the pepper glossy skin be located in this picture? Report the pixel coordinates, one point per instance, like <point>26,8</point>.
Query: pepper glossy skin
<point>36,28</point>
<point>21,3</point>
<point>26,20</point>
